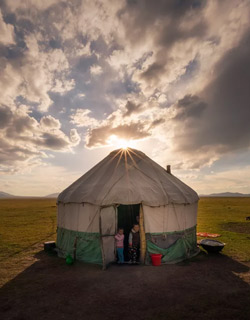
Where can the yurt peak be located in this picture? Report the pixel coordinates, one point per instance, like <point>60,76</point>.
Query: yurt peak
<point>126,151</point>
<point>126,156</point>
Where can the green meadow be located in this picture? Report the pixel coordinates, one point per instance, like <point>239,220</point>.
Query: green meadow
<point>24,223</point>
<point>227,217</point>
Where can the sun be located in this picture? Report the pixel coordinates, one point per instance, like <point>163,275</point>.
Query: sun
<point>124,144</point>
<point>121,143</point>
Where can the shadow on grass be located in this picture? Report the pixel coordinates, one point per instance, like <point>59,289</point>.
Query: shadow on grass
<point>208,287</point>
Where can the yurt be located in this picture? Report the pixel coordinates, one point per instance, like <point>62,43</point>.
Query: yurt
<point>125,187</point>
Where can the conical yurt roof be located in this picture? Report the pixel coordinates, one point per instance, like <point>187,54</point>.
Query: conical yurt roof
<point>128,177</point>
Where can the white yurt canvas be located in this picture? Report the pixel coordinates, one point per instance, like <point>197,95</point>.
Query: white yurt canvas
<point>122,187</point>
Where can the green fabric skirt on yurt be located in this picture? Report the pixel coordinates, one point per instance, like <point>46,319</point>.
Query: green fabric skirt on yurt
<point>88,245</point>
<point>174,246</point>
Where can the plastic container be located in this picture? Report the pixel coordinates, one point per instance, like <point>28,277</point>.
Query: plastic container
<point>49,246</point>
<point>156,259</point>
<point>69,260</point>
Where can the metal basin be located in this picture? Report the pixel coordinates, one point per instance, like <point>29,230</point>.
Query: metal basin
<point>212,245</point>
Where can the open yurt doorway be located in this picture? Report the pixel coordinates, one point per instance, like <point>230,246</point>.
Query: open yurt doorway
<point>128,215</point>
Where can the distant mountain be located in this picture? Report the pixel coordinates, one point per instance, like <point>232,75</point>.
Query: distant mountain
<point>4,195</point>
<point>52,195</point>
<point>226,194</point>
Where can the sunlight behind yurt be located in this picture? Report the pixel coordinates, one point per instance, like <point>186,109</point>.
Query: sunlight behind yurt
<point>118,143</point>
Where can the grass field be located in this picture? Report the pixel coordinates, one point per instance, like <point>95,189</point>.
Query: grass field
<point>227,216</point>
<point>24,223</point>
<point>27,222</point>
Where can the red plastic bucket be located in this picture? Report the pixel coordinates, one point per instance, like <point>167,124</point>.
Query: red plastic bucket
<point>156,259</point>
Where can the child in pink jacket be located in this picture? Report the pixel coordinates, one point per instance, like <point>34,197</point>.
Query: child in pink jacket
<point>119,239</point>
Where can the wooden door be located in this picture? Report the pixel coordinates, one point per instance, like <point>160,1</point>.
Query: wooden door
<point>107,230</point>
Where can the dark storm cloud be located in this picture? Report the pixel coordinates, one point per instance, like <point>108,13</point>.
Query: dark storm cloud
<point>13,53</point>
<point>164,27</point>
<point>222,112</point>
<point>190,107</point>
<point>5,116</point>
<point>153,71</point>
<point>144,15</point>
<point>171,33</point>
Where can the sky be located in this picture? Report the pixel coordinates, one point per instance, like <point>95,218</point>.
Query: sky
<point>80,78</point>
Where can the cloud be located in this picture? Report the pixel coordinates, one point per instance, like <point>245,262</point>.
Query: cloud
<point>33,74</point>
<point>171,30</point>
<point>153,72</point>
<point>53,141</point>
<point>157,122</point>
<point>6,32</point>
<point>130,69</point>
<point>60,50</point>
<point>96,70</point>
<point>215,122</point>
<point>190,107</point>
<point>5,116</point>
<point>133,120</point>
<point>182,37</point>
<point>74,137</point>
<point>101,136</point>
<point>35,64</point>
<point>81,118</point>
<point>40,5</point>
<point>132,108</point>
<point>25,141</point>
<point>50,122</point>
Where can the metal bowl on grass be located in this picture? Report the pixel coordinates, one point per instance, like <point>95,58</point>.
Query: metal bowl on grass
<point>212,245</point>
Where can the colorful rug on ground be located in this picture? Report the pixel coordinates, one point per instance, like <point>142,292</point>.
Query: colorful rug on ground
<point>206,234</point>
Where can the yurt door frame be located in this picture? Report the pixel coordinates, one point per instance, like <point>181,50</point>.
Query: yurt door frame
<point>142,236</point>
<point>107,231</point>
<point>141,225</point>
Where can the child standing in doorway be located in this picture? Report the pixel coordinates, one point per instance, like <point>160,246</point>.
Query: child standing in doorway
<point>134,244</point>
<point>119,239</point>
